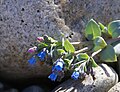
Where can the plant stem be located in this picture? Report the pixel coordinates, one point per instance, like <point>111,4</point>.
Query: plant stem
<point>113,40</point>
<point>79,44</point>
<point>82,50</point>
<point>78,63</point>
<point>95,53</point>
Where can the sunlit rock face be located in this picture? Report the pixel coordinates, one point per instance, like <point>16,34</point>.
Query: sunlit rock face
<point>78,12</point>
<point>21,22</point>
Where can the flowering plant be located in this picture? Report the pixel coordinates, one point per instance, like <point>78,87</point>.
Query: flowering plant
<point>102,42</point>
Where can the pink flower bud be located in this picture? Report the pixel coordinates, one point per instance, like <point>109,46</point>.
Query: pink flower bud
<point>41,39</point>
<point>32,50</point>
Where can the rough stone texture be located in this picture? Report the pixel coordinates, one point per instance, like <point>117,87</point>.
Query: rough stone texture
<point>78,12</point>
<point>105,78</point>
<point>21,21</point>
<point>115,88</point>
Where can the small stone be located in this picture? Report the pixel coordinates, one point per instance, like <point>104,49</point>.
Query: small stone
<point>1,87</point>
<point>115,88</point>
<point>11,90</point>
<point>33,89</point>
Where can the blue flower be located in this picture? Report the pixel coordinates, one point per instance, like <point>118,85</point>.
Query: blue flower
<point>42,54</point>
<point>58,70</point>
<point>32,60</point>
<point>59,65</point>
<point>75,75</point>
<point>52,76</point>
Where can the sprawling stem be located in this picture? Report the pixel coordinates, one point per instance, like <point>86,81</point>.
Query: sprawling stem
<point>95,53</point>
<point>79,44</point>
<point>88,45</point>
<point>113,40</point>
<point>78,63</point>
<point>82,50</point>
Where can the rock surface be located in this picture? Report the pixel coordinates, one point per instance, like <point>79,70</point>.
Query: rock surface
<point>115,88</point>
<point>78,12</point>
<point>105,78</point>
<point>21,22</point>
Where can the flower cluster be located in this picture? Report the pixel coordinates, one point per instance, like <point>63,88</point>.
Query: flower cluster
<point>63,56</point>
<point>40,55</point>
<point>57,70</point>
<point>75,75</point>
<point>32,50</point>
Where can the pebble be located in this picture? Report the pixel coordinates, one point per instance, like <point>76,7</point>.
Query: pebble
<point>33,89</point>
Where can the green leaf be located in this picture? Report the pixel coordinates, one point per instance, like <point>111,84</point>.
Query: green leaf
<point>93,63</point>
<point>116,46</point>
<point>92,30</point>
<point>102,27</point>
<point>108,54</point>
<point>68,62</point>
<point>99,43</point>
<point>63,40</point>
<point>82,56</point>
<point>48,39</point>
<point>60,51</point>
<point>55,54</point>
<point>114,28</point>
<point>68,46</point>
<point>41,46</point>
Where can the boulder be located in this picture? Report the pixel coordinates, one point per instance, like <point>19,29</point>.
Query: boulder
<point>105,78</point>
<point>115,88</point>
<point>21,22</point>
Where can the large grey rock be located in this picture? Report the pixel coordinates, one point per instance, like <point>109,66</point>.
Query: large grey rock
<point>105,78</point>
<point>21,21</point>
<point>115,88</point>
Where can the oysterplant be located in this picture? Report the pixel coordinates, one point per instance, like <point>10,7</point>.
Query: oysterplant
<point>102,44</point>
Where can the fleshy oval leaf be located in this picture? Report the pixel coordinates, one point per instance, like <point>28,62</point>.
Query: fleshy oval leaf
<point>92,30</point>
<point>116,46</point>
<point>68,46</point>
<point>93,63</point>
<point>82,56</point>
<point>108,54</point>
<point>99,43</point>
<point>103,28</point>
<point>114,28</point>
